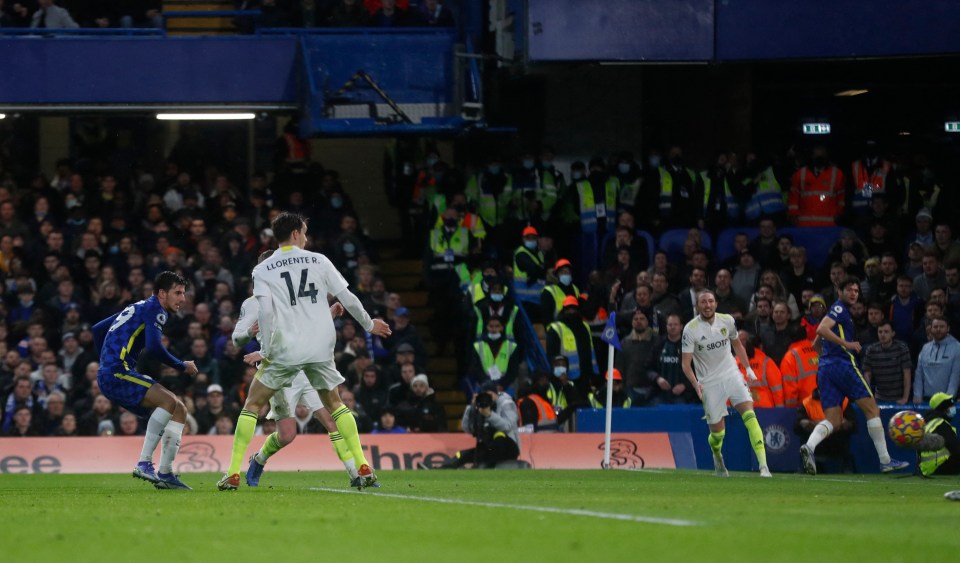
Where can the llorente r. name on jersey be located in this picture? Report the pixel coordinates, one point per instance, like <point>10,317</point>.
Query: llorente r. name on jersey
<point>710,346</point>
<point>297,282</point>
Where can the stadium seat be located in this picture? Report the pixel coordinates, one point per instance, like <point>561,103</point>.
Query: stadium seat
<point>672,241</point>
<point>817,241</point>
<point>725,240</point>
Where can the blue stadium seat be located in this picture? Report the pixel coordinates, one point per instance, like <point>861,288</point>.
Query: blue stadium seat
<point>672,241</point>
<point>817,241</point>
<point>725,240</point>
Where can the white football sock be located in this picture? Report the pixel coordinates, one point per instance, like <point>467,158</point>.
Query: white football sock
<point>155,425</point>
<point>875,429</point>
<point>171,445</point>
<point>819,434</point>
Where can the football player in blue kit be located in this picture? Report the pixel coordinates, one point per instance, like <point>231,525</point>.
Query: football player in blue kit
<point>839,376</point>
<point>120,339</point>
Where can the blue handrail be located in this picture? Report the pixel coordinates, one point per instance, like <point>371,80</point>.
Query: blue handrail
<point>475,87</point>
<point>533,351</point>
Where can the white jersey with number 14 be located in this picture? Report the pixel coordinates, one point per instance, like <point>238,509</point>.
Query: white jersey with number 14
<point>297,282</point>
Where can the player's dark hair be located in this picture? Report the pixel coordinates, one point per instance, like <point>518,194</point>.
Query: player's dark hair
<point>285,224</point>
<point>264,255</point>
<point>166,281</point>
<point>848,281</point>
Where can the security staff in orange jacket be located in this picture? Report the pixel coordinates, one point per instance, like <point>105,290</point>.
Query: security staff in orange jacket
<point>817,195</point>
<point>798,368</point>
<point>767,390</point>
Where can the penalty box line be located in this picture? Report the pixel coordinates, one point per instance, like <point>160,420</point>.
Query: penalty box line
<point>546,509</point>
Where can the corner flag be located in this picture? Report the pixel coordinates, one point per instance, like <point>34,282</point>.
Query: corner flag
<point>610,332</point>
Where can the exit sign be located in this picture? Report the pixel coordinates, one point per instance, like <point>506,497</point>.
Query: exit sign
<point>816,128</point>
<point>951,126</point>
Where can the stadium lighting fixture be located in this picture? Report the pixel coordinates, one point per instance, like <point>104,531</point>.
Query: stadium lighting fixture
<point>951,126</point>
<point>204,116</point>
<point>850,93</point>
<point>3,116</point>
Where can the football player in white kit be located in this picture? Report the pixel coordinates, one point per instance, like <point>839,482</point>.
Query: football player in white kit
<point>287,399</point>
<point>297,334</point>
<point>708,364</point>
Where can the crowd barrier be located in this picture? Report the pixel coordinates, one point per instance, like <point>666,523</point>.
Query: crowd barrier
<point>783,446</point>
<point>116,454</point>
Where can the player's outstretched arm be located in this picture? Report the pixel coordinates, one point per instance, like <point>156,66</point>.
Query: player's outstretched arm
<point>353,306</point>
<point>265,319</point>
<point>154,347</point>
<point>247,325</point>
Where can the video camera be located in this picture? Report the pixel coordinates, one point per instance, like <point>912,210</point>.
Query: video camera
<point>484,401</point>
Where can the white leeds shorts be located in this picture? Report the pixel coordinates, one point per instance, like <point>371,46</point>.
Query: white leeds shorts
<point>285,401</point>
<point>717,392</point>
<point>319,375</point>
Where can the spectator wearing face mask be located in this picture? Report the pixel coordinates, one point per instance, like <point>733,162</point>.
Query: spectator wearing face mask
<point>570,336</point>
<point>553,295</point>
<point>562,393</point>
<point>496,304</point>
<point>529,272</point>
<point>495,358</point>
<point>490,192</point>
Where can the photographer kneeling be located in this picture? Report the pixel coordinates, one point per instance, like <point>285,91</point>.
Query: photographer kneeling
<point>492,418</point>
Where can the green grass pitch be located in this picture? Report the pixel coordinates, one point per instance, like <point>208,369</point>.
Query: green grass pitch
<point>489,516</point>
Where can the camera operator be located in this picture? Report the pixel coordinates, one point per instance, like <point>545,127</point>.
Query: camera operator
<point>492,418</point>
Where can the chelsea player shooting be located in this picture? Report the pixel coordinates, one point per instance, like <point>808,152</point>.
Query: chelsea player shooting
<point>839,376</point>
<point>120,338</point>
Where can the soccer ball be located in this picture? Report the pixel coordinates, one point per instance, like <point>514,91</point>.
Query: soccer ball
<point>906,428</point>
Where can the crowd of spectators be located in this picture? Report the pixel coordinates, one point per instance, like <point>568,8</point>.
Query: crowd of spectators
<point>80,243</point>
<point>574,242</point>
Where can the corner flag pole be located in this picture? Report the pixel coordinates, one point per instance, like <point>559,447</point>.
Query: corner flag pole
<point>613,341</point>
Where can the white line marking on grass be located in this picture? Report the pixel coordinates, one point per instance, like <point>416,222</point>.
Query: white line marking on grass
<point>547,509</point>
<point>642,470</point>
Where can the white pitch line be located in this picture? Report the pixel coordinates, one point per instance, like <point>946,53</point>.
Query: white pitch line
<point>547,509</point>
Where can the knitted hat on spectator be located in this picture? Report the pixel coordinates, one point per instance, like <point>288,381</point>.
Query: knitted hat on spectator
<point>406,347</point>
<point>214,388</point>
<point>529,232</point>
<point>402,312</point>
<point>817,299</point>
<point>420,378</point>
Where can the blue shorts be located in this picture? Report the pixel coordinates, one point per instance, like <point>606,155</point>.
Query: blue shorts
<point>126,388</point>
<point>840,379</point>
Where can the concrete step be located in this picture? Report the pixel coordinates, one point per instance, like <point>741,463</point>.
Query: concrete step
<point>406,282</point>
<point>413,299</point>
<point>394,267</point>
<point>442,365</point>
<point>450,396</point>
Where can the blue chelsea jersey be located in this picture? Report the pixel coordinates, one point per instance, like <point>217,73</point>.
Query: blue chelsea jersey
<point>122,336</point>
<point>843,328</point>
